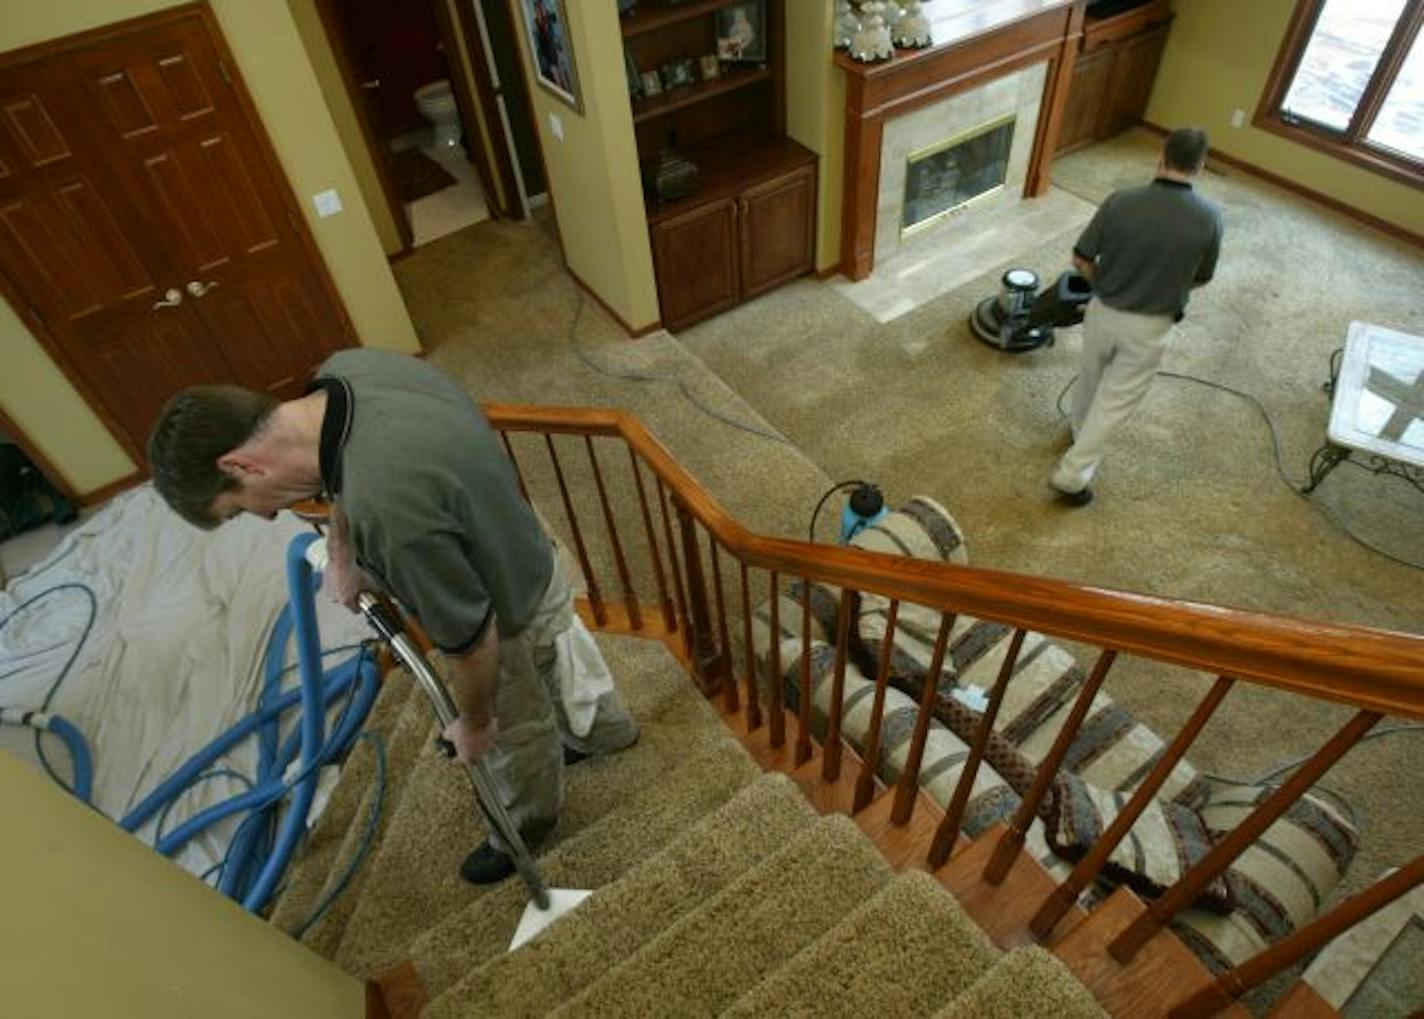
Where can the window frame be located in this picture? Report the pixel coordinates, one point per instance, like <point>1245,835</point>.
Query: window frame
<point>1352,145</point>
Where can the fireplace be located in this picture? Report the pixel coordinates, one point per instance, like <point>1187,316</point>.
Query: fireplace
<point>953,175</point>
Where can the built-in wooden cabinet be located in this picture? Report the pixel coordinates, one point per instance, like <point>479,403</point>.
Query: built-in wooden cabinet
<point>750,226</point>
<point>1114,73</point>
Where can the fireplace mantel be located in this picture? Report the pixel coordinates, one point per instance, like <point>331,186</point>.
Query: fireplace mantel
<point>975,43</point>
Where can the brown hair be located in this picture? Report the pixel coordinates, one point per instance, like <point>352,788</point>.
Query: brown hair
<point>1185,150</point>
<point>197,426</point>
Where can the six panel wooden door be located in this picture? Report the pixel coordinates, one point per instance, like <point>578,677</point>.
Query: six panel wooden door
<point>141,224</point>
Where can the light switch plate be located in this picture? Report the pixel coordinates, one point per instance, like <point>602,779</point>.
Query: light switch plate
<point>557,126</point>
<point>328,203</point>
<point>1238,117</point>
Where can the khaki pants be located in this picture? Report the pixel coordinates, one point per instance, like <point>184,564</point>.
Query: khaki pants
<point>527,760</point>
<point>1121,352</point>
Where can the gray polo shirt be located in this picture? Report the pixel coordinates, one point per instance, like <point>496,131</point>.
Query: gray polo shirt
<point>1151,244</point>
<point>433,502</point>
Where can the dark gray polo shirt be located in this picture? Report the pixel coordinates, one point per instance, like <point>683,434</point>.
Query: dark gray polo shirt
<point>431,497</point>
<point>1151,244</point>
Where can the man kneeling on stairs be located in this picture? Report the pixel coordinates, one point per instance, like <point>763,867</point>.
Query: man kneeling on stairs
<point>426,506</point>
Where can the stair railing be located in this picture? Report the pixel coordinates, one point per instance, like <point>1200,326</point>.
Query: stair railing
<point>1373,671</point>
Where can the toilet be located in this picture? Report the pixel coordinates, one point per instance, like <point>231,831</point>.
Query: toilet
<point>437,104</point>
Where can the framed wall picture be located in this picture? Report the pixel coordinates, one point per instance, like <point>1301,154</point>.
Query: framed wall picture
<point>546,23</point>
<point>741,32</point>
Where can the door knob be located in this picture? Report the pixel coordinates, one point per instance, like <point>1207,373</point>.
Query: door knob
<point>373,83</point>
<point>198,289</point>
<point>171,299</point>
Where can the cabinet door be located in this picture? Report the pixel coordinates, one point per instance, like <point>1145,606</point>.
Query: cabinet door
<point>1134,70</point>
<point>1087,99</point>
<point>695,258</point>
<point>777,230</point>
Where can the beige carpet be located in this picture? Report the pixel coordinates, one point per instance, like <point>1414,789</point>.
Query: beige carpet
<point>1189,505</point>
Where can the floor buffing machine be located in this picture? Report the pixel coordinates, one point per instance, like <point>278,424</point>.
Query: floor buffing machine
<point>1022,317</point>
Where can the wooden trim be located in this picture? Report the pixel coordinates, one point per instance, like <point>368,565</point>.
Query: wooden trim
<point>513,207</point>
<point>1379,670</point>
<point>633,334</point>
<point>1351,146</point>
<point>113,488</point>
<point>1383,225</point>
<point>1056,85</point>
<point>397,994</point>
<point>379,153</point>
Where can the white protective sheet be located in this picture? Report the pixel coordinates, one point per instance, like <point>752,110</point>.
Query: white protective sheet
<point>174,657</point>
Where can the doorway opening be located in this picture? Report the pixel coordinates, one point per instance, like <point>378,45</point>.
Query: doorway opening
<point>419,82</point>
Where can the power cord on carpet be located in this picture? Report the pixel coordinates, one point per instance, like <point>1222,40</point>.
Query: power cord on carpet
<point>1291,484</point>
<point>811,530</point>
<point>687,393</point>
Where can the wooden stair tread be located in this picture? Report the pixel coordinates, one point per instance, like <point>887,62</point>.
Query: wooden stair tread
<point>1163,974</point>
<point>905,846</point>
<point>1003,910</point>
<point>1302,1001</point>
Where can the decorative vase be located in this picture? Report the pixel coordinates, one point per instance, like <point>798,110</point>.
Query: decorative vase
<point>911,29</point>
<point>872,42</point>
<point>847,24</point>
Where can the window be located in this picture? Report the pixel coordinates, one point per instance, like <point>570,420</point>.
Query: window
<point>1350,80</point>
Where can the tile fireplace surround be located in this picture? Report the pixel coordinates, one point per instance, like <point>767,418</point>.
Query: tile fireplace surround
<point>1031,42</point>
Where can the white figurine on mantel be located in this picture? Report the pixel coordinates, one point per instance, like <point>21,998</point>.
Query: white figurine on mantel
<point>847,23</point>
<point>872,42</point>
<point>911,29</point>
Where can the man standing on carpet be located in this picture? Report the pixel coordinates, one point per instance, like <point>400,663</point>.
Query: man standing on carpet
<point>424,500</point>
<point>1144,251</point>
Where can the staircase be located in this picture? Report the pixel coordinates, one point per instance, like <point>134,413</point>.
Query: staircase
<point>742,866</point>
<point>718,887</point>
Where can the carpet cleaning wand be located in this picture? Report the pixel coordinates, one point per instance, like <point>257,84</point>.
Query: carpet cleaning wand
<point>547,904</point>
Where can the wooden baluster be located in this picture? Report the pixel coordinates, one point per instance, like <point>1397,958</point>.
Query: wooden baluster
<point>518,474</point>
<point>1067,893</point>
<point>803,727</point>
<point>908,786</point>
<point>630,597</point>
<point>729,681</point>
<point>705,664</point>
<point>1013,839</point>
<point>865,781</point>
<point>753,695</point>
<point>664,602</point>
<point>778,696</point>
<point>1185,891</point>
<point>683,625</point>
<point>831,756</point>
<point>595,599</point>
<point>1236,982</point>
<point>948,831</point>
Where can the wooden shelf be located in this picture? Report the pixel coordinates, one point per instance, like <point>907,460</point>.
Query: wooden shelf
<point>650,17</point>
<point>731,80</point>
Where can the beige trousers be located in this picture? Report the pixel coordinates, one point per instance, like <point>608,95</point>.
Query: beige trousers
<point>527,760</point>
<point>1121,352</point>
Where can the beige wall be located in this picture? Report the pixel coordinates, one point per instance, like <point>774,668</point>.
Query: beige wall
<point>593,170</point>
<point>1218,57</point>
<point>815,115</point>
<point>269,54</point>
<point>98,924</point>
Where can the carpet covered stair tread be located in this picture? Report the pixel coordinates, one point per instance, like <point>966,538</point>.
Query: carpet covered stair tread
<point>906,951</point>
<point>712,955</point>
<point>318,855</point>
<point>412,880</point>
<point>593,858</point>
<point>617,920</point>
<point>1027,983</point>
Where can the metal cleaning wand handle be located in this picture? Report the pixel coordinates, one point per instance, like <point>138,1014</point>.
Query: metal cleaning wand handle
<point>386,623</point>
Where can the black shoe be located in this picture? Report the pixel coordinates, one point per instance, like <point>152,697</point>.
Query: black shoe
<point>486,865</point>
<point>572,756</point>
<point>1079,498</point>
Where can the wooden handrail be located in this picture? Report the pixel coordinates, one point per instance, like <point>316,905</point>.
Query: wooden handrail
<point>1374,669</point>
